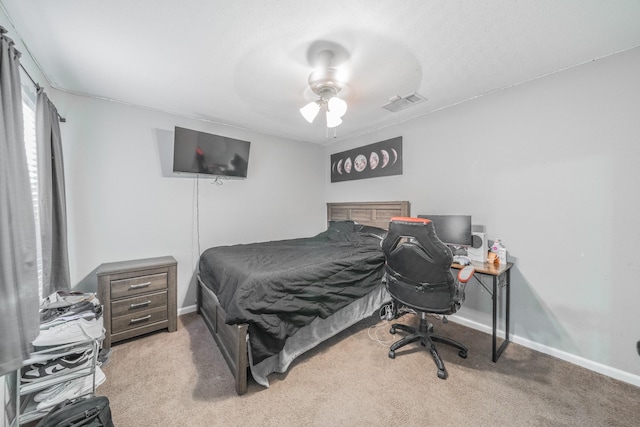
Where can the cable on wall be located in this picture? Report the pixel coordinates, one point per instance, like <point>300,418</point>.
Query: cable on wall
<point>198,213</point>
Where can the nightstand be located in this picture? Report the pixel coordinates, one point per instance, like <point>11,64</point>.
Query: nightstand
<point>138,297</point>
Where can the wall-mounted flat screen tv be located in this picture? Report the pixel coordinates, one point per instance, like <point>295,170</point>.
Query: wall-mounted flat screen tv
<point>207,154</point>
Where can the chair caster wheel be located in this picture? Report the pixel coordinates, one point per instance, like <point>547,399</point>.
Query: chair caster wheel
<point>442,375</point>
<point>392,354</point>
<point>462,354</point>
<point>392,331</point>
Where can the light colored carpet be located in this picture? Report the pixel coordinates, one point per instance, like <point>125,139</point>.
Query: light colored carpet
<point>181,379</point>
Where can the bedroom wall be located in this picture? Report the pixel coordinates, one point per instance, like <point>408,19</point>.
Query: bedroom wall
<point>123,201</point>
<point>550,167</point>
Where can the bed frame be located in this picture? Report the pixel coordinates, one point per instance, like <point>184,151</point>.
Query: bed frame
<point>232,339</point>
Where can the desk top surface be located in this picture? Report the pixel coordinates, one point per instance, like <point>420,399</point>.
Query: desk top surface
<point>486,268</point>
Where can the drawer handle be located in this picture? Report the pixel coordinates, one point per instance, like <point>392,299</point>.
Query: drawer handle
<point>140,304</point>
<point>140,285</point>
<point>141,319</point>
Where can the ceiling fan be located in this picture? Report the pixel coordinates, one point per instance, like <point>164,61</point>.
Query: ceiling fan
<point>326,82</point>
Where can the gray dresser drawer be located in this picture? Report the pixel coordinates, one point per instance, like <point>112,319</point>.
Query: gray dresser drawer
<point>136,320</point>
<point>138,285</point>
<point>137,304</point>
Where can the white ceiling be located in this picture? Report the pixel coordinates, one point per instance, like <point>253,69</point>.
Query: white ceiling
<point>245,63</point>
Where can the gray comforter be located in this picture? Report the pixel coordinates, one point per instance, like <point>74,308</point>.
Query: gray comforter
<point>280,286</point>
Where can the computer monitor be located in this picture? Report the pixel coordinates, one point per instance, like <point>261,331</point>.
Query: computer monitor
<point>453,230</point>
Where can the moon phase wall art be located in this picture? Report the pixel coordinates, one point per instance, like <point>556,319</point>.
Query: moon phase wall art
<point>380,159</point>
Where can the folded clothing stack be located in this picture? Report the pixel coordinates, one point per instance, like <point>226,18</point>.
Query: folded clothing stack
<point>60,392</point>
<point>65,364</point>
<point>69,317</point>
<point>67,321</point>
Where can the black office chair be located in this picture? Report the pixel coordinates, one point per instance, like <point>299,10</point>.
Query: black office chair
<point>418,276</point>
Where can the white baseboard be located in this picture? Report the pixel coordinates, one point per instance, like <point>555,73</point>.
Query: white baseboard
<point>563,355</point>
<point>187,310</point>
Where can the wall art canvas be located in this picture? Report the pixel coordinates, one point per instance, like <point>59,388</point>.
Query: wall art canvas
<point>380,159</point>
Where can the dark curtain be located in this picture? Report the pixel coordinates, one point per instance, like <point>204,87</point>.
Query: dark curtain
<point>19,300</point>
<point>53,213</point>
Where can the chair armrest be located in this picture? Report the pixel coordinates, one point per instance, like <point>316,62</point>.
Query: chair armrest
<point>466,273</point>
<point>464,276</point>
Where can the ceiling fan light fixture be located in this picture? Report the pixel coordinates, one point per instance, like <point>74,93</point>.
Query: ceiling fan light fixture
<point>333,119</point>
<point>337,106</point>
<point>326,82</point>
<point>310,111</point>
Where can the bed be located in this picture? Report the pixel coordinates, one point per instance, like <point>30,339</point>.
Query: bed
<point>267,303</point>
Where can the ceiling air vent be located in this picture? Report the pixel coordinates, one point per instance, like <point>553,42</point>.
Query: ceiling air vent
<point>398,103</point>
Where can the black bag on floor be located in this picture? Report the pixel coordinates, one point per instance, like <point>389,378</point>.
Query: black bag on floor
<point>91,412</point>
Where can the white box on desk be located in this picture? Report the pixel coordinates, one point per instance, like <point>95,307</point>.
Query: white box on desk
<point>477,252</point>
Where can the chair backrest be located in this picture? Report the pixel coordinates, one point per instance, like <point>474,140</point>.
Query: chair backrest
<point>418,266</point>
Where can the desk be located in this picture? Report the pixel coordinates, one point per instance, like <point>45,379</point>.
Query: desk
<point>501,275</point>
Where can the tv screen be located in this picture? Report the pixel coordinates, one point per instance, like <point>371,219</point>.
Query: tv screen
<point>204,153</point>
<point>453,230</point>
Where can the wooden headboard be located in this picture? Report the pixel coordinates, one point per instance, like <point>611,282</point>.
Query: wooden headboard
<point>376,214</point>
